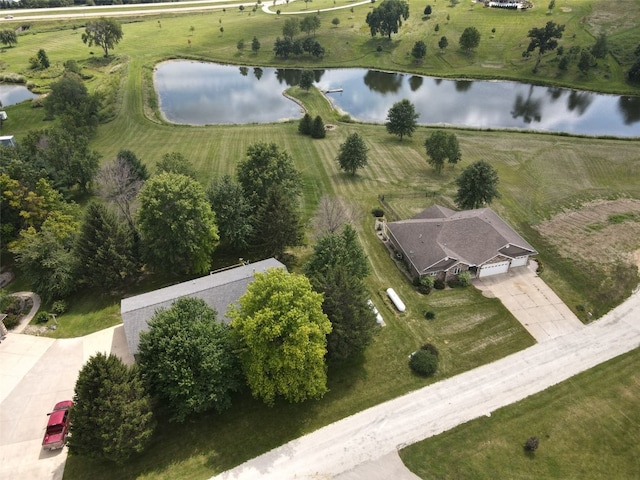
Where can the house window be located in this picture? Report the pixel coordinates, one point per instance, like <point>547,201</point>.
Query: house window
<point>457,270</point>
<point>433,274</point>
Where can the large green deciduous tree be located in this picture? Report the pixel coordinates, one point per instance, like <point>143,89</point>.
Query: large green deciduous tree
<point>352,154</point>
<point>176,224</point>
<point>477,185</point>
<point>544,39</point>
<point>281,333</point>
<point>402,119</point>
<point>8,37</point>
<point>306,80</point>
<point>111,416</point>
<point>265,167</point>
<point>441,146</point>
<point>419,50</point>
<point>387,18</point>
<point>71,102</point>
<point>45,257</point>
<point>104,32</point>
<point>336,269</point>
<point>469,39</point>
<point>175,162</point>
<point>105,249</point>
<point>187,359</point>
<point>233,212</point>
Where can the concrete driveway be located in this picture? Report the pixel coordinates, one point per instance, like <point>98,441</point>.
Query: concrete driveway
<point>532,302</point>
<point>36,373</point>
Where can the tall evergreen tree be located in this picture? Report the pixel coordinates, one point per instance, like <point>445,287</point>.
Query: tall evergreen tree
<point>233,212</point>
<point>336,269</point>
<point>105,249</point>
<point>278,224</point>
<point>111,415</point>
<point>304,127</point>
<point>317,128</point>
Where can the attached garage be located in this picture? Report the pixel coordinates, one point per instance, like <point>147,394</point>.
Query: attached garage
<point>493,269</point>
<point>520,261</point>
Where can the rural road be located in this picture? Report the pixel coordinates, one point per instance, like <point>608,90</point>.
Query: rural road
<point>340,449</point>
<point>137,10</point>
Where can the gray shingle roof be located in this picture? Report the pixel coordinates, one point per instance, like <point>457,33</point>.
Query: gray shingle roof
<point>471,236</point>
<point>218,290</point>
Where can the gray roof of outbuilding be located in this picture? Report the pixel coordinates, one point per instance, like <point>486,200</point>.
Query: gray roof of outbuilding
<point>471,236</point>
<point>219,290</point>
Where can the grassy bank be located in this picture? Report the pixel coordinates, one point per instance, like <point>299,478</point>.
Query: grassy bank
<point>587,428</point>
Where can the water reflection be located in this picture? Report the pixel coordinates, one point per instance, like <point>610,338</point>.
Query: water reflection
<point>13,94</point>
<point>383,82</point>
<point>630,109</point>
<point>528,108</point>
<point>415,82</point>
<point>201,93</point>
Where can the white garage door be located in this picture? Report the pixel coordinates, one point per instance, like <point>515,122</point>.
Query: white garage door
<point>519,261</point>
<point>494,269</point>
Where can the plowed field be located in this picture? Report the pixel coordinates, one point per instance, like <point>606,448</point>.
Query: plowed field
<point>602,231</point>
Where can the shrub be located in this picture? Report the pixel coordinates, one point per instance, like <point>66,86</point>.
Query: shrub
<point>377,212</point>
<point>425,284</point>
<point>429,315</point>
<point>42,317</point>
<point>531,445</point>
<point>439,284</point>
<point>431,348</point>
<point>453,282</point>
<point>379,48</point>
<point>540,268</point>
<point>11,321</point>
<point>423,363</point>
<point>464,278</point>
<point>59,307</point>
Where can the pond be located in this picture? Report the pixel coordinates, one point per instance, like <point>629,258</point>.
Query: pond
<point>208,93</point>
<point>12,94</point>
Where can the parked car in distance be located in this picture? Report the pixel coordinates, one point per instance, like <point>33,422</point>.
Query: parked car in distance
<point>8,17</point>
<point>57,426</point>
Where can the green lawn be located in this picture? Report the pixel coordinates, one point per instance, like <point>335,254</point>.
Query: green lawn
<point>587,427</point>
<point>540,174</point>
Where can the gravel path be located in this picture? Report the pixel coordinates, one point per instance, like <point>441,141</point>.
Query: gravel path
<point>368,436</point>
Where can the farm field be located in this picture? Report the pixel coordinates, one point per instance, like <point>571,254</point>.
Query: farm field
<point>543,179</point>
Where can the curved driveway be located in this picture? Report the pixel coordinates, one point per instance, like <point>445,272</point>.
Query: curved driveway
<point>340,449</point>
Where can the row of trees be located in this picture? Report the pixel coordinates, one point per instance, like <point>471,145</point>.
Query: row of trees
<point>167,222</point>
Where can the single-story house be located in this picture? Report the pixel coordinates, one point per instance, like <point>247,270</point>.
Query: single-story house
<point>218,289</point>
<point>441,242</point>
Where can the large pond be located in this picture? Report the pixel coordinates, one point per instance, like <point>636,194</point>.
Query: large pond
<point>12,94</point>
<point>207,93</point>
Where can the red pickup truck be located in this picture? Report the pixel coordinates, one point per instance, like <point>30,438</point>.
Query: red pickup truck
<point>58,426</point>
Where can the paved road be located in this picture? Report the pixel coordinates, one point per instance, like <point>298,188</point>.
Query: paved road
<point>338,449</point>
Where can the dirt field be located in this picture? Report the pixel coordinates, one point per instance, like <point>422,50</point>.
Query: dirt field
<point>602,231</point>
